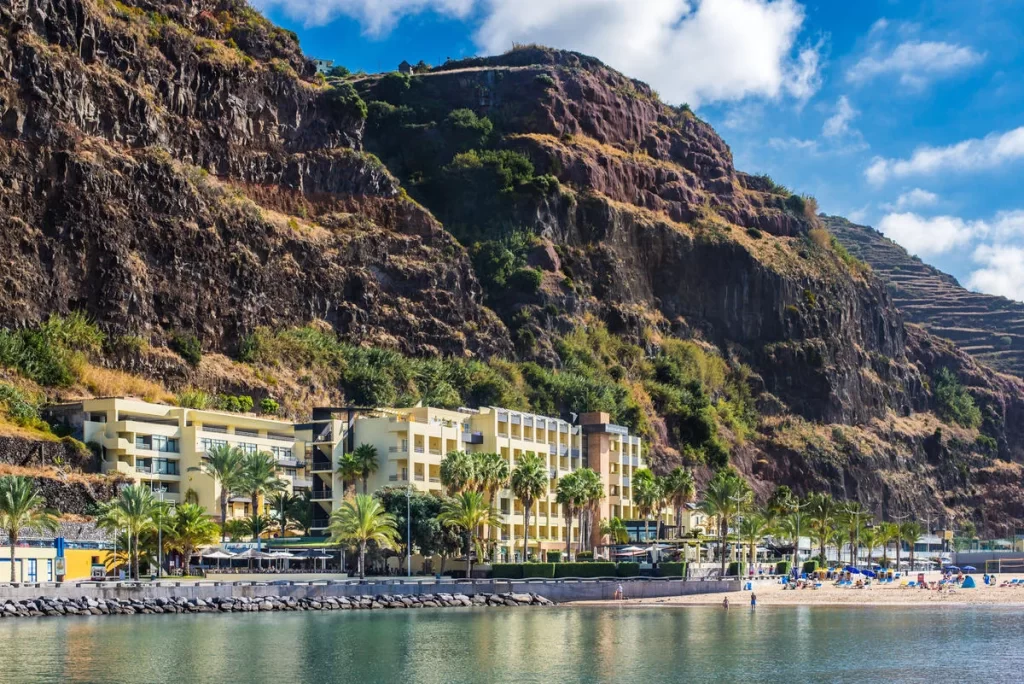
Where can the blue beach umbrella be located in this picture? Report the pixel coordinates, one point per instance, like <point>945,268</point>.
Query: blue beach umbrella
<point>852,570</point>
<point>869,573</point>
<point>951,568</point>
<point>970,568</point>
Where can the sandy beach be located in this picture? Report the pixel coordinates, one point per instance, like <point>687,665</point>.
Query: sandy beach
<point>770,593</point>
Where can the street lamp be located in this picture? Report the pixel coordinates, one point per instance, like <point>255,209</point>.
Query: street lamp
<point>160,535</point>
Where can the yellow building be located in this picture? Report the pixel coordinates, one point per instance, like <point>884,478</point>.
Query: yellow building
<point>157,445</point>
<point>411,443</point>
<point>39,563</point>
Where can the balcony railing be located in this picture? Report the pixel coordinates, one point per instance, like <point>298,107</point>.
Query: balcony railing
<point>435,452</point>
<point>322,494</point>
<point>319,465</point>
<point>554,473</point>
<point>636,460</point>
<point>418,450</point>
<point>434,479</point>
<point>575,453</point>
<point>625,482</point>
<point>419,477</point>
<point>397,449</point>
<point>143,469</point>
<point>301,483</point>
<point>473,437</point>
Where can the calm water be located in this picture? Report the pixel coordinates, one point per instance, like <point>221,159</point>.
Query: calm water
<point>525,645</point>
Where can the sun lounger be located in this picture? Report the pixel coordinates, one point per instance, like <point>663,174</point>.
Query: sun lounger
<point>911,584</point>
<point>817,585</point>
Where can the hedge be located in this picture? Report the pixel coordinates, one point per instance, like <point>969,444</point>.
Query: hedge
<point>810,566</point>
<point>545,570</point>
<point>585,570</point>
<point>783,567</point>
<point>671,569</point>
<point>554,556</point>
<point>628,569</point>
<point>507,570</point>
<point>585,556</point>
<point>737,569</point>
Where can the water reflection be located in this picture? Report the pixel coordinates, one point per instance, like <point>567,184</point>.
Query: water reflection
<point>521,646</point>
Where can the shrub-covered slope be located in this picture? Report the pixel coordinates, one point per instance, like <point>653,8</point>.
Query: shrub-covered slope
<point>534,230</point>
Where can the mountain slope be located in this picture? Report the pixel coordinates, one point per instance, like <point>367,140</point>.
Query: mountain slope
<point>533,229</point>
<point>989,328</point>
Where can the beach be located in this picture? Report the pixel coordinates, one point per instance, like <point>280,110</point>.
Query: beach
<point>771,593</point>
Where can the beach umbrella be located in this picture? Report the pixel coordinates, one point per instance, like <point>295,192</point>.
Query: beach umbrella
<point>951,568</point>
<point>218,554</point>
<point>970,568</point>
<point>869,573</point>
<point>852,570</point>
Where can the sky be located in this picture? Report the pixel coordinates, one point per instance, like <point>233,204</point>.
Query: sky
<point>907,116</point>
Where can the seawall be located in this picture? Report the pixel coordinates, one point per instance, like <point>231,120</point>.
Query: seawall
<point>558,591</point>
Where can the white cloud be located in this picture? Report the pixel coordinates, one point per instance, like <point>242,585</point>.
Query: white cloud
<point>377,17</point>
<point>975,154</point>
<point>690,50</point>
<point>789,144</point>
<point>699,51</point>
<point>1008,224</point>
<point>1002,271</point>
<point>915,62</point>
<point>839,123</point>
<point>935,235</point>
<point>913,199</point>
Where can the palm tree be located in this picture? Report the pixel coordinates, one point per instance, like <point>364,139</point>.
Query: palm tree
<point>22,508</point>
<point>284,505</point>
<point>852,520</point>
<point>569,495</point>
<point>302,512</point>
<point>752,529</point>
<point>491,475</point>
<point>529,482</point>
<point>680,489</point>
<point>361,520</point>
<point>136,510</point>
<point>792,525</point>
<point>259,478</point>
<point>366,456</point>
<point>887,533</point>
<point>646,493</point>
<point>869,537</point>
<point>616,529</point>
<point>349,468</point>
<point>592,493</point>
<point>911,530</point>
<point>224,464</point>
<point>458,471</point>
<point>823,511</point>
<point>235,529</point>
<point>468,511</point>
<point>189,529</point>
<point>724,496</point>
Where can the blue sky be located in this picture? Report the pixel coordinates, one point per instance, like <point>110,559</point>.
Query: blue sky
<point>907,116</point>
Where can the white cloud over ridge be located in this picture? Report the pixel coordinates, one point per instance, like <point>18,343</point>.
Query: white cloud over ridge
<point>691,51</point>
<point>914,199</point>
<point>974,154</point>
<point>1002,271</point>
<point>915,62</point>
<point>929,236</point>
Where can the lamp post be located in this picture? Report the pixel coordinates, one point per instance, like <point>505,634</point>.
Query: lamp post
<point>408,530</point>
<point>160,535</point>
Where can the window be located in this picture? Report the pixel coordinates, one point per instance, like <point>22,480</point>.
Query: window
<point>281,453</point>
<point>248,447</point>
<point>162,466</point>
<point>211,443</point>
<point>49,570</point>
<point>165,444</point>
<point>33,574</point>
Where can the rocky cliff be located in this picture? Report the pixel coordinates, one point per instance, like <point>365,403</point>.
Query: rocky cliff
<point>177,167</point>
<point>989,328</point>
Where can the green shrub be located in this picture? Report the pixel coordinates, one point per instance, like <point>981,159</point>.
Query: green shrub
<point>525,280</point>
<point>737,569</point>
<point>585,556</point>
<point>810,566</point>
<point>188,347</point>
<point>602,569</point>
<point>554,556</point>
<point>754,233</point>
<point>245,403</point>
<point>507,570</point>
<point>987,444</point>
<point>796,204</point>
<point>545,570</point>
<point>51,352</point>
<point>544,80</point>
<point>20,407</point>
<point>671,569</point>
<point>810,298</point>
<point>955,403</point>
<point>783,567</point>
<point>194,398</point>
<point>627,569</point>
<point>269,407</point>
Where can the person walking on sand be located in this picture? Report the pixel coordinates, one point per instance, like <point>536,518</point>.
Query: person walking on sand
<point>753,600</point>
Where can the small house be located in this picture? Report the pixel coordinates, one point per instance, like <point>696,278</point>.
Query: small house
<point>405,67</point>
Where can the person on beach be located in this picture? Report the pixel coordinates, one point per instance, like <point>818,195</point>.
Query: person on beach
<point>753,600</point>
<point>725,603</point>
<point>619,593</point>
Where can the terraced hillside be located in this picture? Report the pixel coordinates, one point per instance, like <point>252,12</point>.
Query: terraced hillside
<point>989,328</point>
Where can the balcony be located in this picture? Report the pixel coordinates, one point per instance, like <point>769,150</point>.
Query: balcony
<point>435,452</point>
<point>321,466</point>
<point>419,477</point>
<point>625,482</point>
<point>301,483</point>
<point>398,449</point>
<point>143,469</point>
<point>575,453</point>
<point>636,460</point>
<point>517,420</point>
<point>322,494</point>
<point>435,480</point>
<point>473,437</point>
<point>418,450</point>
<point>554,473</point>
<point>552,448</point>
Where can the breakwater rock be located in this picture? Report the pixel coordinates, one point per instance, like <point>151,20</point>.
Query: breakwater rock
<point>61,606</point>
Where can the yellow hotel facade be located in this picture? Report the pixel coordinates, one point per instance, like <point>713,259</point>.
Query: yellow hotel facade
<point>157,446</point>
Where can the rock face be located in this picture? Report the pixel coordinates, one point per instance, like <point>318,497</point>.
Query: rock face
<point>989,328</point>
<point>149,167</point>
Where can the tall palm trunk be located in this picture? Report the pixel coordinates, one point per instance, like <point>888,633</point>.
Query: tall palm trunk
<point>469,557</point>
<point>223,514</point>
<point>526,530</point>
<point>137,555</point>
<point>365,483</point>
<point>568,537</point>
<point>362,560</point>
<point>13,540</point>
<point>722,533</point>
<point>679,522</point>
<point>899,548</point>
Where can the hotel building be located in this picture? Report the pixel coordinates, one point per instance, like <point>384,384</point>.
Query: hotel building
<point>156,445</point>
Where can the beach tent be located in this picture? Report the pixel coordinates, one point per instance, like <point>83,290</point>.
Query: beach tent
<point>968,583</point>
